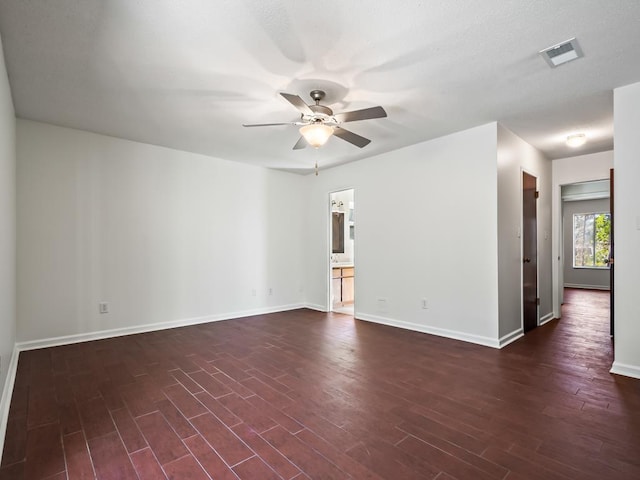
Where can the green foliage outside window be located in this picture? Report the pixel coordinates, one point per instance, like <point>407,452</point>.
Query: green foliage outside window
<point>591,239</point>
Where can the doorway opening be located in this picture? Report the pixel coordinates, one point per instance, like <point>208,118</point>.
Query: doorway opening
<point>586,240</point>
<point>342,252</point>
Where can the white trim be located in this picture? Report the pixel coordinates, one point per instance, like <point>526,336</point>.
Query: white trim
<point>578,197</point>
<point>317,307</point>
<point>440,332</point>
<point>632,371</point>
<point>587,287</point>
<point>518,333</point>
<point>510,337</point>
<point>546,319</point>
<point>7,392</point>
<point>151,327</point>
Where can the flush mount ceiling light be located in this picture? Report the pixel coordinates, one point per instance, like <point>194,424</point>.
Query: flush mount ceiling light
<point>316,134</point>
<point>576,140</point>
<point>563,52</point>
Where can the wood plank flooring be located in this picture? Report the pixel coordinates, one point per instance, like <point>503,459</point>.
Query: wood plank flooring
<point>305,395</point>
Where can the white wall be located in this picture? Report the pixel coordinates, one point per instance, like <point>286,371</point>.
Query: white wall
<point>7,229</point>
<point>582,168</point>
<point>162,235</point>
<point>627,230</point>
<point>426,228</point>
<point>597,278</point>
<point>514,157</point>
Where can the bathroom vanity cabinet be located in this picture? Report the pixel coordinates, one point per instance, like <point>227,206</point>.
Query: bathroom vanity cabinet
<point>343,278</point>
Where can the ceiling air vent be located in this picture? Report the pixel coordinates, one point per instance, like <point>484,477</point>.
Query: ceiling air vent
<point>562,52</point>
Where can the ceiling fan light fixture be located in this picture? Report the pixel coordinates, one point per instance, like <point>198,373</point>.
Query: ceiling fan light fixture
<point>319,122</point>
<point>316,134</point>
<point>576,140</point>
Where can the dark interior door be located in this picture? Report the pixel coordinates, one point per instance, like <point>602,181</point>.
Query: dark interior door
<point>529,253</point>
<point>611,256</point>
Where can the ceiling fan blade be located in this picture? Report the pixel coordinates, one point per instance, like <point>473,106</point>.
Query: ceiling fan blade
<point>351,137</point>
<point>267,124</point>
<point>297,102</point>
<point>364,114</point>
<point>300,144</point>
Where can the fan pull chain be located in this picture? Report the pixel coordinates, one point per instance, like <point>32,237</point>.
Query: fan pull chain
<point>316,168</point>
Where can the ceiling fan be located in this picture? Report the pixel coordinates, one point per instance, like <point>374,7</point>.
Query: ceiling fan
<point>318,122</point>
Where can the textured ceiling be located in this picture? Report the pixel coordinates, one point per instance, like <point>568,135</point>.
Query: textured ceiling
<point>188,74</point>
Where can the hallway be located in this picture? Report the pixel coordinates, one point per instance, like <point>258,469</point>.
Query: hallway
<point>580,338</point>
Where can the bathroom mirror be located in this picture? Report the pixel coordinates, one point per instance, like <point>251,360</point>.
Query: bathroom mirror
<point>337,232</point>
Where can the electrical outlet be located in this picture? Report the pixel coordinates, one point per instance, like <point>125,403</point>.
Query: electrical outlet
<point>425,304</point>
<point>382,305</point>
<point>103,307</point>
<point>270,291</point>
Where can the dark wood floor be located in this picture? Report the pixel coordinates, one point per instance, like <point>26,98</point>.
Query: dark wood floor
<point>309,395</point>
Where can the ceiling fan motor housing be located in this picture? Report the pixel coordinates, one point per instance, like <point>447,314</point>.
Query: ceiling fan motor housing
<point>317,95</point>
<point>321,112</point>
<point>321,109</point>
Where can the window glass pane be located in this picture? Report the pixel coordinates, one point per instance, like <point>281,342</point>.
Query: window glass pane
<point>579,247</point>
<point>591,239</point>
<point>602,238</point>
<point>588,241</point>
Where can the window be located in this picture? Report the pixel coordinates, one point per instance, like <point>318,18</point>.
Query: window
<point>591,239</point>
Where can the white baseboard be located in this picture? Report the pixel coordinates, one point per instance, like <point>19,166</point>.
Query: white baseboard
<point>547,318</point>
<point>317,307</point>
<point>587,287</point>
<point>150,327</point>
<point>632,371</point>
<point>510,337</point>
<point>5,400</point>
<point>440,332</point>
<point>518,333</point>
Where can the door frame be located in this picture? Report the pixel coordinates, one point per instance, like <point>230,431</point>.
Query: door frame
<point>582,168</point>
<point>329,249</point>
<point>559,240</point>
<point>521,202</point>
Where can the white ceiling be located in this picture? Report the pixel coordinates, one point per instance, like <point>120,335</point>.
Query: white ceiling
<point>188,74</point>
